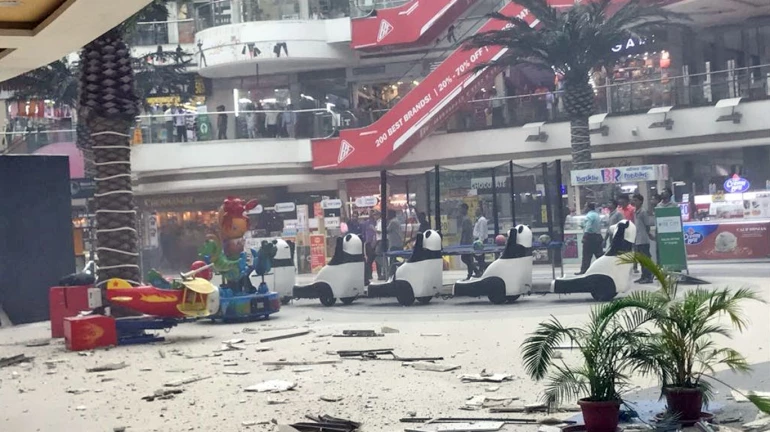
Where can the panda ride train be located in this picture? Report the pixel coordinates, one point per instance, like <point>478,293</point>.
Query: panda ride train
<point>509,276</point>
<point>420,277</point>
<point>342,278</point>
<point>283,276</point>
<point>607,276</point>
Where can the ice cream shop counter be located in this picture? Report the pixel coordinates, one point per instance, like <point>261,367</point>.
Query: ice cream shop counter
<point>728,240</point>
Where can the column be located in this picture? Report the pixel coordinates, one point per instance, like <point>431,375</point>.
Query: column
<point>304,9</point>
<point>235,11</point>
<point>172,27</point>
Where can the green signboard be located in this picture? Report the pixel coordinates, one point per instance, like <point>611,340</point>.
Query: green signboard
<point>672,255</point>
<point>204,127</point>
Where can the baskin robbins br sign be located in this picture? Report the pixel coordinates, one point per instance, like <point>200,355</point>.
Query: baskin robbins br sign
<point>629,174</point>
<point>736,184</point>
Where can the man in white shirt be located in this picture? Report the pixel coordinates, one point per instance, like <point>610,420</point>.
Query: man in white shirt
<point>181,124</point>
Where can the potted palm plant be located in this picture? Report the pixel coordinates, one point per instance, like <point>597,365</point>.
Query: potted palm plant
<point>681,350</point>
<point>607,343</point>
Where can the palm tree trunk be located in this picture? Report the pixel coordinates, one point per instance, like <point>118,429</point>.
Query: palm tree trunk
<point>581,143</point>
<point>109,105</point>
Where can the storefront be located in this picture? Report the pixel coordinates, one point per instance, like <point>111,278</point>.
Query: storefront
<point>731,224</point>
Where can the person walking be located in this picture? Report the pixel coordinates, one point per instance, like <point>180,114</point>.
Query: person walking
<point>481,233</point>
<point>592,237</point>
<point>666,199</point>
<point>643,221</point>
<point>466,239</point>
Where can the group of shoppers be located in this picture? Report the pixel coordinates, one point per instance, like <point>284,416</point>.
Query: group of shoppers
<point>632,209</point>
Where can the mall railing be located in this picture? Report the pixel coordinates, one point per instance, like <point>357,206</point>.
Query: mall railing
<point>157,32</point>
<point>223,12</point>
<point>362,8</point>
<point>249,125</point>
<point>28,141</point>
<point>752,83</point>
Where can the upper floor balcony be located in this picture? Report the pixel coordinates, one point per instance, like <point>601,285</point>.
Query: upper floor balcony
<point>244,37</point>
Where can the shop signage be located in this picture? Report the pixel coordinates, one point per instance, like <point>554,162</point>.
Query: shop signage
<point>366,201</point>
<point>332,222</point>
<point>286,207</point>
<point>151,230</point>
<point>421,110</point>
<point>256,210</point>
<point>82,188</point>
<point>629,44</point>
<point>727,240</point>
<point>736,184</point>
<point>629,174</point>
<point>486,182</point>
<point>317,252</point>
<point>670,239</point>
<point>331,204</point>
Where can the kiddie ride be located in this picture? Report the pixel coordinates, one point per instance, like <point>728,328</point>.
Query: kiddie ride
<point>510,276</point>
<point>342,278</point>
<point>164,302</point>
<point>420,277</point>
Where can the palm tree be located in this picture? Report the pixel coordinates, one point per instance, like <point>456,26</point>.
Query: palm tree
<point>572,43</point>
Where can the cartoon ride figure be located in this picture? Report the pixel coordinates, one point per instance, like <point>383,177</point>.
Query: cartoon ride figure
<point>342,278</point>
<point>420,277</point>
<point>509,276</point>
<point>284,275</point>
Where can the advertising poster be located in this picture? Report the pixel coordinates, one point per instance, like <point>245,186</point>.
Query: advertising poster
<point>317,252</point>
<point>726,241</point>
<point>670,239</point>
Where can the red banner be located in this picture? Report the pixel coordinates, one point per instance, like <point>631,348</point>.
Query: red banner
<point>414,23</point>
<point>421,111</point>
<point>317,252</point>
<point>727,240</point>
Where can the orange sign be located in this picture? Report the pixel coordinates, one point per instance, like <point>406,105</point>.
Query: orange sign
<point>317,252</point>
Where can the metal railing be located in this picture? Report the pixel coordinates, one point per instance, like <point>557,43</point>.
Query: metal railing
<point>240,125</point>
<point>362,8</point>
<point>223,12</point>
<point>162,32</point>
<point>28,141</point>
<point>634,97</point>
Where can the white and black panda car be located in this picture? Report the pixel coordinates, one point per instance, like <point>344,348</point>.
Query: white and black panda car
<point>342,278</point>
<point>420,277</point>
<point>607,276</point>
<point>282,277</point>
<point>509,276</point>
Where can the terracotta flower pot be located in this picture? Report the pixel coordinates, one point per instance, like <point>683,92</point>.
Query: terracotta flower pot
<point>685,403</point>
<point>600,416</point>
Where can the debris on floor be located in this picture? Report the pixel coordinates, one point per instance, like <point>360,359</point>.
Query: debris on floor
<point>374,354</point>
<point>249,423</point>
<point>163,394</point>
<point>359,333</point>
<point>188,380</point>
<point>286,336</point>
<point>326,423</point>
<point>481,426</point>
<point>38,343</point>
<point>14,360</point>
<point>272,386</point>
<point>433,367</point>
<point>388,330</point>
<point>276,401</point>
<point>235,372</point>
<point>485,377</point>
<point>327,398</point>
<point>108,367</point>
<point>431,334</point>
<point>301,363</point>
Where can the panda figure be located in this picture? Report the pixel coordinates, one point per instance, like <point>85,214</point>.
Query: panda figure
<point>509,276</point>
<point>342,278</point>
<point>607,276</point>
<point>420,277</point>
<point>283,275</point>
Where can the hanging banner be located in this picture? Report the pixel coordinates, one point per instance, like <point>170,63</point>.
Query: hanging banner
<point>672,254</point>
<point>317,252</point>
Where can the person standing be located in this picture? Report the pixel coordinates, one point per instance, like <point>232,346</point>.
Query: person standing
<point>466,239</point>
<point>666,199</point>
<point>354,226</point>
<point>424,224</point>
<point>181,124</point>
<point>251,121</point>
<point>395,236</point>
<point>271,122</point>
<point>592,237</point>
<point>289,120</point>
<point>221,123</point>
<point>643,221</point>
<point>627,210</point>
<point>615,217</point>
<point>370,245</point>
<point>481,233</point>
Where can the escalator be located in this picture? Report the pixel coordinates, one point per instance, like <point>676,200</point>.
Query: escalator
<point>422,110</point>
<point>414,23</point>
